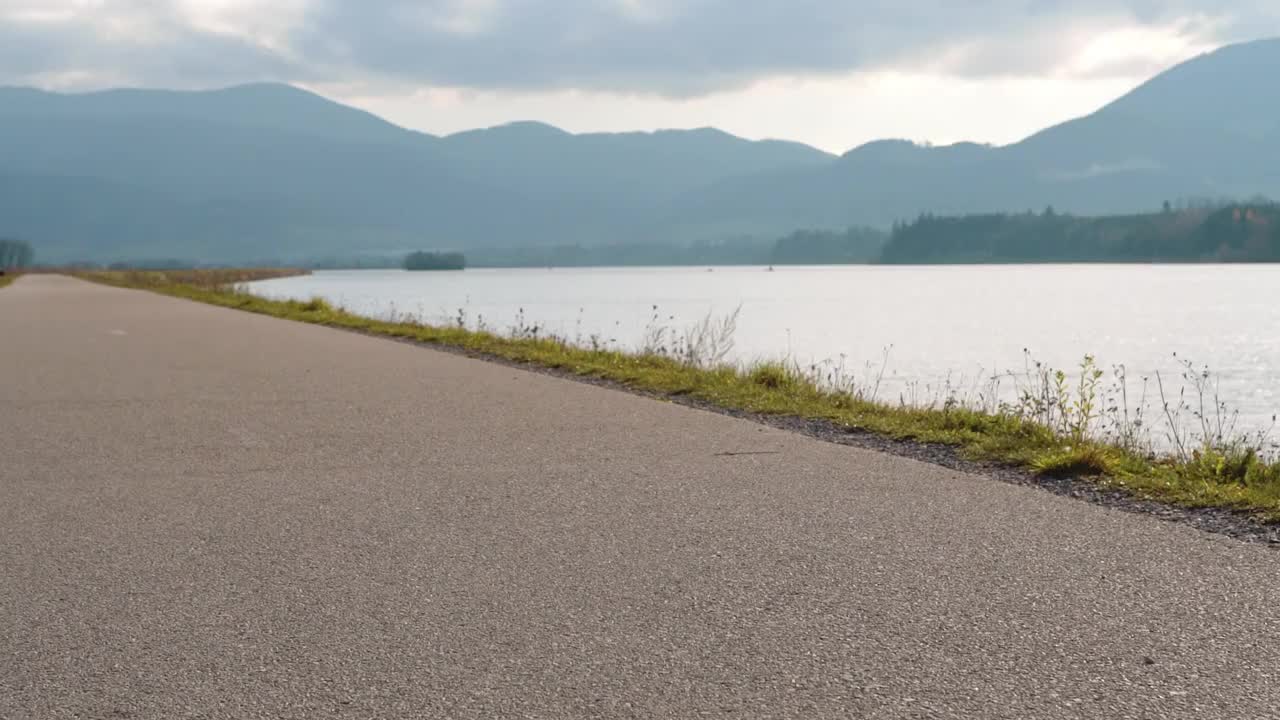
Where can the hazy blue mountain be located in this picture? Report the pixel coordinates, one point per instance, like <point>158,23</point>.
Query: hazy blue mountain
<point>1207,125</point>
<point>530,154</point>
<point>1207,128</point>
<point>610,187</point>
<point>274,172</point>
<point>213,189</point>
<point>271,171</point>
<point>264,106</point>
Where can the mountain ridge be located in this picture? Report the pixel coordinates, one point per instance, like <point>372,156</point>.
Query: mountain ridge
<point>280,171</point>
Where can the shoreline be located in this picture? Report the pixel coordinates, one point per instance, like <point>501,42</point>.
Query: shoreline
<point>1236,524</point>
<point>1194,491</point>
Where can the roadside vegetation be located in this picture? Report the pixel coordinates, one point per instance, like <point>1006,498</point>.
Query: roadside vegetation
<point>1165,439</point>
<point>15,254</point>
<point>212,279</point>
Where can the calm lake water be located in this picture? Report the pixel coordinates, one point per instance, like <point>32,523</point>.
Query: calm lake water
<point>939,326</point>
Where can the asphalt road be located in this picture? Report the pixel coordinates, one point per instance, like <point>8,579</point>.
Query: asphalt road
<point>211,514</point>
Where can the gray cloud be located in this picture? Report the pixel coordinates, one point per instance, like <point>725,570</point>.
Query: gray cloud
<point>669,47</point>
<point>130,42</point>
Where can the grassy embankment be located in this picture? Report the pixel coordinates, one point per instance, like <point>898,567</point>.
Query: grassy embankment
<point>7,279</point>
<point>213,278</point>
<point>1059,426</point>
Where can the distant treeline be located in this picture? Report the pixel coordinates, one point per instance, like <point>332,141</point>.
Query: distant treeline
<point>435,261</point>
<point>805,247</point>
<point>15,254</point>
<point>1245,232</point>
<point>824,247</point>
<point>727,252</point>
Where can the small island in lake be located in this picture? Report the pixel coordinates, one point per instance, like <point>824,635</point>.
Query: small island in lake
<point>435,261</point>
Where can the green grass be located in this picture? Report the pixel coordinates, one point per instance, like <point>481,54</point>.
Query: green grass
<point>1227,476</point>
<point>7,279</point>
<point>212,278</point>
<point>1080,461</point>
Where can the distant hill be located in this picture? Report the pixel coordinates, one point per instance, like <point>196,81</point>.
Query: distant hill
<point>603,188</point>
<point>264,106</point>
<point>1204,128</point>
<point>666,162</point>
<point>268,172</point>
<point>273,172</point>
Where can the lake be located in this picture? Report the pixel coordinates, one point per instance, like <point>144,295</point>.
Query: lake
<point>929,328</point>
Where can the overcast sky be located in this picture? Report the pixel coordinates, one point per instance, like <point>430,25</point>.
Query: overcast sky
<point>832,73</point>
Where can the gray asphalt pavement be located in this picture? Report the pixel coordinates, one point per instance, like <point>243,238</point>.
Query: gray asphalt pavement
<point>211,514</point>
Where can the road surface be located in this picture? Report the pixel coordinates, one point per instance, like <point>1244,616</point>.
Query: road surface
<point>211,514</point>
